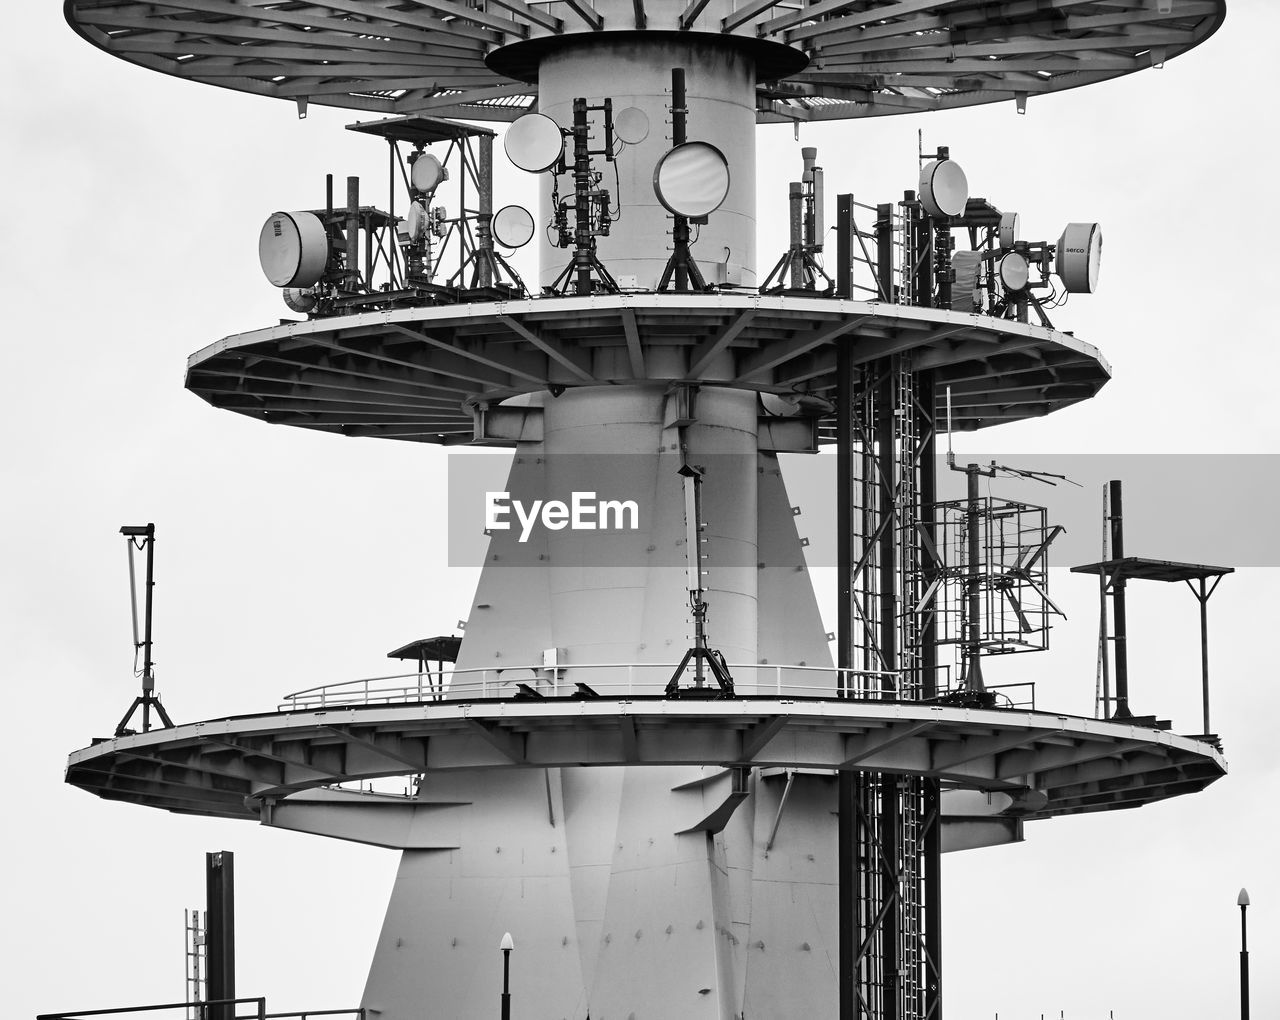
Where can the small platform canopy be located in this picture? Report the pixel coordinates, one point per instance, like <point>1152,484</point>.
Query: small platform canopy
<point>418,130</point>
<point>1138,568</point>
<point>433,649</point>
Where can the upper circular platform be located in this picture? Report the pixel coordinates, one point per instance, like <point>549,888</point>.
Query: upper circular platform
<point>414,373</point>
<point>1052,764</point>
<point>826,60</point>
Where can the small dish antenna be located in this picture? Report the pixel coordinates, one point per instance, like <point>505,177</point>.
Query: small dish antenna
<point>513,226</point>
<point>418,220</point>
<point>944,189</point>
<point>1009,232</point>
<point>1015,272</point>
<point>293,249</point>
<point>1079,257</point>
<point>534,143</point>
<point>631,125</point>
<point>428,173</point>
<point>692,180</point>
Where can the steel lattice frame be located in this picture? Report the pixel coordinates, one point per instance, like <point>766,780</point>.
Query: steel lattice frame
<point>828,60</point>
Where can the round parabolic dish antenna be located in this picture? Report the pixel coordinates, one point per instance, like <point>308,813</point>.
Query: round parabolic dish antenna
<point>1079,257</point>
<point>1014,271</point>
<point>534,143</point>
<point>1009,229</point>
<point>631,125</point>
<point>944,189</point>
<point>293,249</point>
<point>417,221</point>
<point>513,226</point>
<point>428,173</point>
<point>692,180</point>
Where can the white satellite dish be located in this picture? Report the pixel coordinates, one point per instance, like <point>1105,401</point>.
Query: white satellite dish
<point>1015,272</point>
<point>293,249</point>
<point>631,125</point>
<point>534,143</point>
<point>692,180</point>
<point>428,173</point>
<point>418,220</point>
<point>944,189</point>
<point>1009,232</point>
<point>1079,257</point>
<point>513,226</point>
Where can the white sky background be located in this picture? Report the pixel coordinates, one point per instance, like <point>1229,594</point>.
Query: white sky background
<point>287,558</point>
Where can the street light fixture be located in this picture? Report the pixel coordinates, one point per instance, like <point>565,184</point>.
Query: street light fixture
<point>1242,901</point>
<point>506,945</point>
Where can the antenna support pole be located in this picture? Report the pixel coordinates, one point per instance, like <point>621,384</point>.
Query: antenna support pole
<point>703,657</point>
<point>681,263</point>
<point>1120,626</point>
<point>143,537</point>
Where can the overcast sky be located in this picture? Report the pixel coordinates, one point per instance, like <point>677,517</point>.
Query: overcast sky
<point>287,559</point>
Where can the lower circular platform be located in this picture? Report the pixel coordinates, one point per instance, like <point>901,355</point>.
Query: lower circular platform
<point>415,373</point>
<point>1050,764</point>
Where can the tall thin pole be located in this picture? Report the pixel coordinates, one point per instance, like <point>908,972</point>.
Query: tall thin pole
<point>1202,596</point>
<point>847,886</point>
<point>680,227</point>
<point>506,977</point>
<point>148,681</point>
<point>1121,628</point>
<point>1243,901</point>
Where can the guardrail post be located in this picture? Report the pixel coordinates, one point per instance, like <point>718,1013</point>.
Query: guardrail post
<point>777,675</point>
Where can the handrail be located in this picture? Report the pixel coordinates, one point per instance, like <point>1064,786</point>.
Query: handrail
<point>203,1008</point>
<point>632,679</point>
<point>75,1014</point>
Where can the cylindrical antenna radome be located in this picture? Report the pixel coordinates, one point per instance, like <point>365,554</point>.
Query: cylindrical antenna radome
<point>810,156</point>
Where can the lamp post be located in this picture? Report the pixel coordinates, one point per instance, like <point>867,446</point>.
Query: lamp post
<point>506,945</point>
<point>1242,901</point>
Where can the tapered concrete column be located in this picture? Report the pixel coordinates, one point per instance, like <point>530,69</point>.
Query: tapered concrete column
<point>636,608</point>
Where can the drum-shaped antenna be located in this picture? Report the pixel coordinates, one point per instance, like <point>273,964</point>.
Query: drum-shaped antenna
<point>513,226</point>
<point>1009,224</point>
<point>1015,272</point>
<point>293,249</point>
<point>428,173</point>
<point>299,300</point>
<point>692,180</point>
<point>418,220</point>
<point>534,143</point>
<point>631,125</point>
<point>1079,257</point>
<point>944,189</point>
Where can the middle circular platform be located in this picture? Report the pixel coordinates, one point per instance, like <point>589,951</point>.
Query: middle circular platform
<point>417,373</point>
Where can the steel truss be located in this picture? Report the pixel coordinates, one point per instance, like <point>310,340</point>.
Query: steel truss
<point>889,824</point>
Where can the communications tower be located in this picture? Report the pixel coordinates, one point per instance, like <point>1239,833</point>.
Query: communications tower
<point>644,762</point>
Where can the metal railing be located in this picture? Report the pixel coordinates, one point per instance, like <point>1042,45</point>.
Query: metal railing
<point>76,1014</point>
<point>203,1008</point>
<point>624,680</point>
